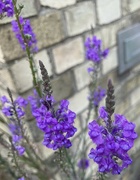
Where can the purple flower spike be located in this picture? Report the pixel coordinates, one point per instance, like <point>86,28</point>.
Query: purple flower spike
<point>112,145</point>
<point>56,125</point>
<point>94,50</point>
<point>9,111</point>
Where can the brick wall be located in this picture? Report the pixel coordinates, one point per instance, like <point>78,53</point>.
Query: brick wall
<point>61,28</point>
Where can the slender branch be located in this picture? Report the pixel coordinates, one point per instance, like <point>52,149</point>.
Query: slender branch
<point>28,51</point>
<point>70,162</point>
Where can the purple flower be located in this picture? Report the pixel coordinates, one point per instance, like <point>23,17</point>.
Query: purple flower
<point>57,125</point>
<point>94,50</point>
<point>83,163</point>
<point>112,146</point>
<point>9,111</point>
<point>28,33</point>
<point>6,8</point>
<point>4,99</point>
<point>21,102</point>
<point>97,96</point>
<point>103,113</point>
<point>90,69</point>
<point>16,138</point>
<point>20,150</point>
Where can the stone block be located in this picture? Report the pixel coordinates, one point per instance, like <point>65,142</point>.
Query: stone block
<point>108,10</point>
<point>57,4</point>
<point>9,45</point>
<point>79,101</point>
<point>111,62</point>
<point>44,57</point>
<point>80,18</point>
<point>81,75</point>
<point>48,28</point>
<point>22,75</point>
<point>68,54</point>
<point>30,9</point>
<point>63,86</point>
<point>134,96</point>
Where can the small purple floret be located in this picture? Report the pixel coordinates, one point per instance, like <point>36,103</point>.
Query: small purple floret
<point>83,163</point>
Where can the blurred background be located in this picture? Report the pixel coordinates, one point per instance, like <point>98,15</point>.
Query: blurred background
<point>61,28</point>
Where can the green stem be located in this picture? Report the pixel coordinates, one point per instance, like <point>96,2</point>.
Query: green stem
<point>70,162</point>
<point>28,52</point>
<point>62,165</point>
<point>101,176</point>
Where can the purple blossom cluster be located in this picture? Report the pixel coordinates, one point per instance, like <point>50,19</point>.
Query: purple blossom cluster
<point>94,50</point>
<point>57,125</point>
<point>6,8</point>
<point>14,126</point>
<point>112,145</point>
<point>28,33</point>
<point>97,96</point>
<point>83,163</point>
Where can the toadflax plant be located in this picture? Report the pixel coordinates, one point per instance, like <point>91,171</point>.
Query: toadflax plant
<point>112,134</point>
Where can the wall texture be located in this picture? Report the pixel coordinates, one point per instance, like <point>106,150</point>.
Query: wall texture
<point>61,28</point>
